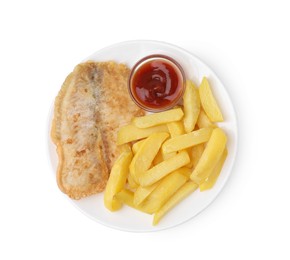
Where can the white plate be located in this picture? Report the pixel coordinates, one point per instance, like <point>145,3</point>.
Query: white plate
<point>129,219</point>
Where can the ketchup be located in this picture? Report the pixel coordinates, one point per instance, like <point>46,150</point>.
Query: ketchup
<point>157,82</point>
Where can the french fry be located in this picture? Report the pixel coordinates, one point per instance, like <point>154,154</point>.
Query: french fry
<point>125,147</point>
<point>142,193</point>
<point>158,158</point>
<point>127,197</point>
<point>210,157</point>
<point>131,133</point>
<point>187,140</point>
<point>211,180</point>
<point>185,171</point>
<point>117,180</point>
<point>203,121</point>
<point>137,145</point>
<point>167,187</point>
<point>158,118</point>
<point>164,168</point>
<point>196,152</point>
<point>190,164</point>
<point>209,103</point>
<point>131,183</point>
<point>182,193</point>
<point>167,156</point>
<point>191,105</point>
<point>176,128</point>
<point>146,154</point>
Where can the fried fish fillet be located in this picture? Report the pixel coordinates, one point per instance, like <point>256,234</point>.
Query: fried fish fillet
<point>89,109</point>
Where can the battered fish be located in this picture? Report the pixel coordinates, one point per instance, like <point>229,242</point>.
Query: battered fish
<point>89,109</point>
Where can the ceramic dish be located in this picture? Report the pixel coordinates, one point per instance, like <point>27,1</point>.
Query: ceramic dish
<point>127,218</point>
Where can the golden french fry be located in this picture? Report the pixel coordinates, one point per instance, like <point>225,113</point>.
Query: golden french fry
<point>167,187</point>
<point>191,105</point>
<point>158,118</point>
<point>189,151</point>
<point>166,156</point>
<point>158,158</point>
<point>164,168</point>
<point>187,140</point>
<point>182,193</point>
<point>196,152</point>
<point>203,121</point>
<point>117,180</point>
<point>209,103</point>
<point>127,197</point>
<point>185,171</point>
<point>125,147</point>
<point>131,133</point>
<point>142,193</point>
<point>131,183</point>
<point>137,145</point>
<point>176,128</point>
<point>146,154</point>
<point>210,157</point>
<point>211,180</point>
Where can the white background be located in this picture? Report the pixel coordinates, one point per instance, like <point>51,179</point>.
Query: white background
<point>246,44</point>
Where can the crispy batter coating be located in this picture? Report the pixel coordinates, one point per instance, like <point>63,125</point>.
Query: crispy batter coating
<point>90,108</point>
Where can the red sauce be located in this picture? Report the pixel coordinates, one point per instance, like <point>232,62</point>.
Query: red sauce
<point>157,83</point>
